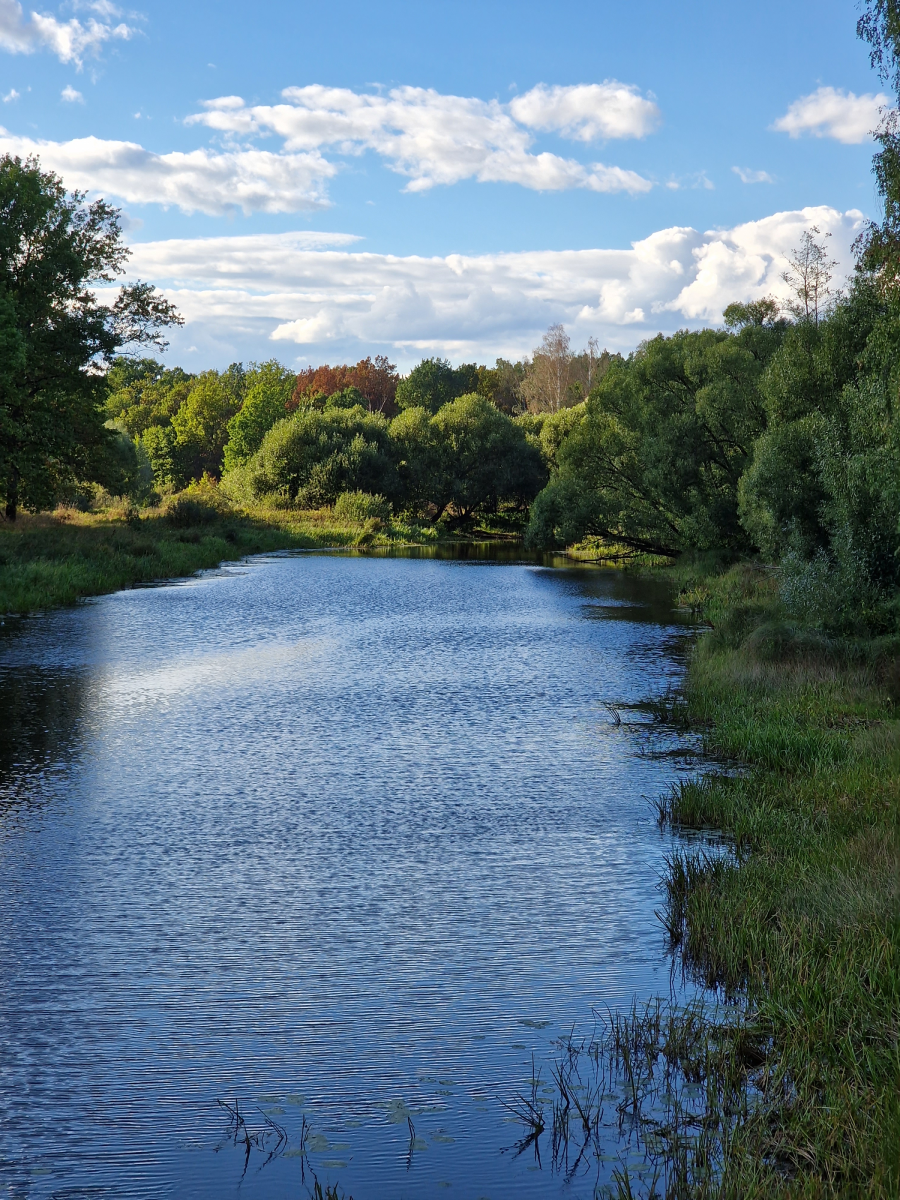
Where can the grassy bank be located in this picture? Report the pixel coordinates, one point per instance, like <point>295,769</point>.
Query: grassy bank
<point>56,558</point>
<point>801,923</point>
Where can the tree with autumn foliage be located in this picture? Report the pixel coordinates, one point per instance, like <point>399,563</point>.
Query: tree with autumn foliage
<point>376,380</point>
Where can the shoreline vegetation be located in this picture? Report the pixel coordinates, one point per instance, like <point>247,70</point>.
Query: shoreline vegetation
<point>794,917</point>
<point>49,560</point>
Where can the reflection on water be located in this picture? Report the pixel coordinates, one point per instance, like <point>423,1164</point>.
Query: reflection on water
<point>339,840</point>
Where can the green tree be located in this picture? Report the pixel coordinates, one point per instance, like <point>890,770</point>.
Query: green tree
<point>655,462</point>
<point>878,246</point>
<point>419,455</point>
<point>57,332</point>
<point>484,458</point>
<point>269,387</point>
<point>502,385</point>
<point>822,494</point>
<point>201,425</point>
<point>804,389</point>
<point>311,457</point>
<point>434,383</point>
<point>142,392</point>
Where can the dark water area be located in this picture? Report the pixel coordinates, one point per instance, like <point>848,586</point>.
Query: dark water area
<point>345,839</point>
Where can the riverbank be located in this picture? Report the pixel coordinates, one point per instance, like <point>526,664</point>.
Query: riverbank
<point>54,559</point>
<point>801,923</point>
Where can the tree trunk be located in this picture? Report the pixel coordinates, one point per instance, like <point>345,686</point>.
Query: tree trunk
<point>12,493</point>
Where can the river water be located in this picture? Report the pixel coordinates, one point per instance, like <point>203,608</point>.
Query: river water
<point>343,839</point>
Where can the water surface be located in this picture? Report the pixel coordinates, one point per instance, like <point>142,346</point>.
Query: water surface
<point>345,839</point>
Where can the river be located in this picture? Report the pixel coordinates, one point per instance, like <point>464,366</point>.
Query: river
<point>343,839</point>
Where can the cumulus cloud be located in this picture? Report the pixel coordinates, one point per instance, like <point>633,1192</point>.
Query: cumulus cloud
<point>589,111</point>
<point>71,41</point>
<point>434,139</point>
<point>243,293</point>
<point>198,181</point>
<point>832,112</point>
<point>747,176</point>
<point>11,95</point>
<point>70,95</point>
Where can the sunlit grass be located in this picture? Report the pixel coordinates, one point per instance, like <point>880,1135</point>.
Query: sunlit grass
<point>802,918</point>
<point>55,558</point>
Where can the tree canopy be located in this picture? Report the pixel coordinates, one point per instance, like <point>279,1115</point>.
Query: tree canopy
<point>57,334</point>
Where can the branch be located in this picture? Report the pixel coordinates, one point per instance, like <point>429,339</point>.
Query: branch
<point>140,313</point>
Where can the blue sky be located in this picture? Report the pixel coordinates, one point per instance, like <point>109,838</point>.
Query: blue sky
<point>448,178</point>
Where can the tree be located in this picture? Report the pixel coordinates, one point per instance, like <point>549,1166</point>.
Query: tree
<point>502,385</point>
<point>546,388</point>
<point>142,392</point>
<point>655,461</point>
<point>484,458</point>
<point>375,379</point>
<point>434,383</point>
<point>823,480</point>
<point>201,425</point>
<point>419,451</point>
<point>878,246</point>
<point>310,457</point>
<point>56,333</point>
<point>270,387</point>
<point>809,277</point>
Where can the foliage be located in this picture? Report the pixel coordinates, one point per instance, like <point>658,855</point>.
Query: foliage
<point>502,385</point>
<point>141,393</point>
<point>655,460</point>
<point>201,425</point>
<point>268,391</point>
<point>419,453</point>
<point>375,379</point>
<point>362,506</point>
<point>556,377</point>
<point>484,458</point>
<point>434,383</point>
<point>310,457</point>
<point>878,246</point>
<point>55,333</point>
<point>822,493</point>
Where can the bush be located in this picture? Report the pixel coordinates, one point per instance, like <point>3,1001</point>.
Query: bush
<point>362,506</point>
<point>185,511</point>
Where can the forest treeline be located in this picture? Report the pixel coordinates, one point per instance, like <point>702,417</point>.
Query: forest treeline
<point>443,440</point>
<point>775,435</point>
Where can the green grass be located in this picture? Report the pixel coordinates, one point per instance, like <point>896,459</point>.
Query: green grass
<point>802,920</point>
<point>56,558</point>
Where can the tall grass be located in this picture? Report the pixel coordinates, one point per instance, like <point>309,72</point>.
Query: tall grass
<point>55,558</point>
<point>802,919</point>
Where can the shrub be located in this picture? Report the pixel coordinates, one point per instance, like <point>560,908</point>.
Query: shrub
<point>362,506</point>
<point>185,511</point>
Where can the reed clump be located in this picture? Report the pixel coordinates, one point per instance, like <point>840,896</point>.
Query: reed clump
<point>800,919</point>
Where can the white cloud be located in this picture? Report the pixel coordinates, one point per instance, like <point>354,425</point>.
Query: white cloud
<point>747,176</point>
<point>438,139</point>
<point>239,294</point>
<point>832,112</point>
<point>11,95</point>
<point>198,181</point>
<point>70,95</point>
<point>588,111</point>
<point>70,41</point>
